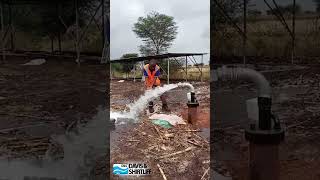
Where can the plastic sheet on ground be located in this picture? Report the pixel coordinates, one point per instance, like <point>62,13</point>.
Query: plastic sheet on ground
<point>35,62</point>
<point>171,118</point>
<point>162,123</point>
<point>121,81</point>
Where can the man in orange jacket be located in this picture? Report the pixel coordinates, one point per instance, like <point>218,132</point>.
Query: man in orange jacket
<point>151,72</point>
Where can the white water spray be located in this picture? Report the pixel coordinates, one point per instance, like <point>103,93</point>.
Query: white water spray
<point>81,151</point>
<point>138,106</point>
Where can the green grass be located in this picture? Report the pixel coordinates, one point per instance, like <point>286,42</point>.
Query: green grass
<point>28,41</point>
<point>268,37</point>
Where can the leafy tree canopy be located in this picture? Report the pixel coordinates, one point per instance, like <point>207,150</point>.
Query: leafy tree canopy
<point>157,31</point>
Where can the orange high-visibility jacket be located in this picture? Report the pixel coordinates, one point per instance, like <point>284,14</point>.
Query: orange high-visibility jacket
<point>149,76</point>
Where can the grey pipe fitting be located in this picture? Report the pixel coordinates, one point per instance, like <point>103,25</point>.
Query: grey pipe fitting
<point>224,73</point>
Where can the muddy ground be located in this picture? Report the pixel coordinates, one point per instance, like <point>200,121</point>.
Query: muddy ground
<point>148,143</point>
<point>37,102</point>
<point>296,101</point>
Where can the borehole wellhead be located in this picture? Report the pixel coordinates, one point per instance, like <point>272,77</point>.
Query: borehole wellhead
<point>192,108</point>
<point>264,139</point>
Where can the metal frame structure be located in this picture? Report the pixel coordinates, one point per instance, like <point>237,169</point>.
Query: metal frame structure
<point>275,11</point>
<point>168,56</point>
<point>77,38</point>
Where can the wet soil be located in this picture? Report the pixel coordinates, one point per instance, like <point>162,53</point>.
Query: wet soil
<point>145,142</point>
<point>40,101</point>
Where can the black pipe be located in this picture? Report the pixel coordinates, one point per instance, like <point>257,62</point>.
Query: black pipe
<point>264,105</point>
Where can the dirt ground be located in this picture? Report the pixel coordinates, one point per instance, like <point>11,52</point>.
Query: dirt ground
<point>156,146</point>
<point>37,102</point>
<point>299,113</point>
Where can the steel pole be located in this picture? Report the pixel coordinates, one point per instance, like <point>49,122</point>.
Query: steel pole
<point>168,71</point>
<point>2,33</point>
<point>11,26</point>
<point>77,32</point>
<point>293,31</point>
<point>103,23</point>
<point>244,31</point>
<point>186,68</point>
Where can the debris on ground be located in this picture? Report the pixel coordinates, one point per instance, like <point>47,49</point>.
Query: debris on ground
<point>181,152</point>
<point>162,123</point>
<point>170,118</point>
<point>35,62</point>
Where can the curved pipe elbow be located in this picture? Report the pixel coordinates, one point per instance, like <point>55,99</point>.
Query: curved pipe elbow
<point>264,89</point>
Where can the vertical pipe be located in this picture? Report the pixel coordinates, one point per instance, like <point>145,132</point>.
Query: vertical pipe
<point>103,22</point>
<point>293,31</point>
<point>2,33</point>
<point>77,32</point>
<point>168,70</point>
<point>244,31</point>
<point>186,68</point>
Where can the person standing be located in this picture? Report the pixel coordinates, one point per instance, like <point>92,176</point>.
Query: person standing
<point>151,73</point>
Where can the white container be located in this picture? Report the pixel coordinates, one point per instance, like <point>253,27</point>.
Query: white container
<point>253,109</point>
<point>189,96</point>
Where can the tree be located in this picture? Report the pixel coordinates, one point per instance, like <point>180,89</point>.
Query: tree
<point>127,67</point>
<point>157,31</point>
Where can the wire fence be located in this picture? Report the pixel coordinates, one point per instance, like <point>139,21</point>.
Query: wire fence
<point>289,30</point>
<point>56,27</point>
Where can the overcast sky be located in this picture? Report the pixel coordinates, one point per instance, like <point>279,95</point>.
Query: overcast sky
<point>192,18</point>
